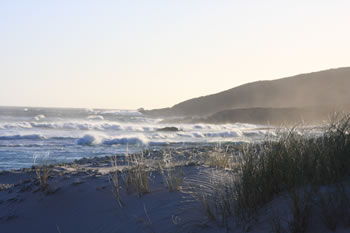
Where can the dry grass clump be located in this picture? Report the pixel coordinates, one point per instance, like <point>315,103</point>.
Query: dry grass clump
<point>134,177</point>
<point>42,173</point>
<point>114,178</point>
<point>172,175</point>
<point>221,159</point>
<point>137,174</point>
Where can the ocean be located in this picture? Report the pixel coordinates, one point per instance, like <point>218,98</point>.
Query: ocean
<point>31,136</point>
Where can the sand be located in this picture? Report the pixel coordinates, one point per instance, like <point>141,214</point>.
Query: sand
<point>80,198</point>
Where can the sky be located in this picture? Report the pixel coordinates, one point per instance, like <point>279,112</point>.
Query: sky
<point>156,53</point>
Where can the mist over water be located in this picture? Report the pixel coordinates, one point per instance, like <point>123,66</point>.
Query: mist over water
<point>52,135</point>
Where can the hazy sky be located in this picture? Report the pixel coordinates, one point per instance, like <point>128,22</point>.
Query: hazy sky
<point>156,53</point>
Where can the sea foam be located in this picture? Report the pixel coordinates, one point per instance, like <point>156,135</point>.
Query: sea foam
<point>88,140</point>
<point>22,137</point>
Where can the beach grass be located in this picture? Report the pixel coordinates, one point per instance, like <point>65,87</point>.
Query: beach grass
<point>296,164</point>
<point>43,173</point>
<point>172,174</point>
<point>293,161</point>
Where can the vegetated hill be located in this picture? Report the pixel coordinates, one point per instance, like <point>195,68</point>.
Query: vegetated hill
<point>269,116</point>
<point>323,88</point>
<point>277,116</point>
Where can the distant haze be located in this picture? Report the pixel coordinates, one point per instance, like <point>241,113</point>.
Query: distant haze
<point>156,53</point>
<point>323,88</point>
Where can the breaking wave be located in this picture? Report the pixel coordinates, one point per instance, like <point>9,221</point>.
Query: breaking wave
<point>22,137</point>
<point>89,140</point>
<point>95,117</point>
<point>39,117</point>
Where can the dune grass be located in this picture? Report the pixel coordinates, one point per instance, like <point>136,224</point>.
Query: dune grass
<point>220,158</point>
<point>297,164</point>
<point>172,175</point>
<point>114,179</point>
<point>42,173</point>
<point>135,176</point>
<point>293,161</point>
<point>139,174</point>
<point>43,169</point>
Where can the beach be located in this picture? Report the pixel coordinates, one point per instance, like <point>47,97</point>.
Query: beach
<point>173,190</point>
<point>65,172</point>
<point>80,198</point>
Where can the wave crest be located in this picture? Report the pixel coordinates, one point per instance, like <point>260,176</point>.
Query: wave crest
<point>22,137</point>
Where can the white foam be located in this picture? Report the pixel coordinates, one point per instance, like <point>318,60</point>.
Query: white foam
<point>107,126</point>
<point>125,141</point>
<point>22,137</point>
<point>95,117</point>
<point>89,110</point>
<point>76,125</point>
<point>154,143</point>
<point>122,112</point>
<point>198,135</point>
<point>185,135</point>
<point>224,134</point>
<point>39,117</point>
<point>88,140</point>
<point>16,125</point>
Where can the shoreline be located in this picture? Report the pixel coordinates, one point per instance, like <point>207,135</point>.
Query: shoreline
<point>184,189</point>
<point>80,198</point>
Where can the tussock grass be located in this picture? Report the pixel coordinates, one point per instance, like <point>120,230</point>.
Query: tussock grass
<point>42,173</point>
<point>221,159</point>
<point>296,163</point>
<point>294,160</point>
<point>140,174</point>
<point>114,178</point>
<point>172,175</point>
<point>137,174</point>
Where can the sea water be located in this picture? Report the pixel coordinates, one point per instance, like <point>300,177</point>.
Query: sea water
<point>30,136</point>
